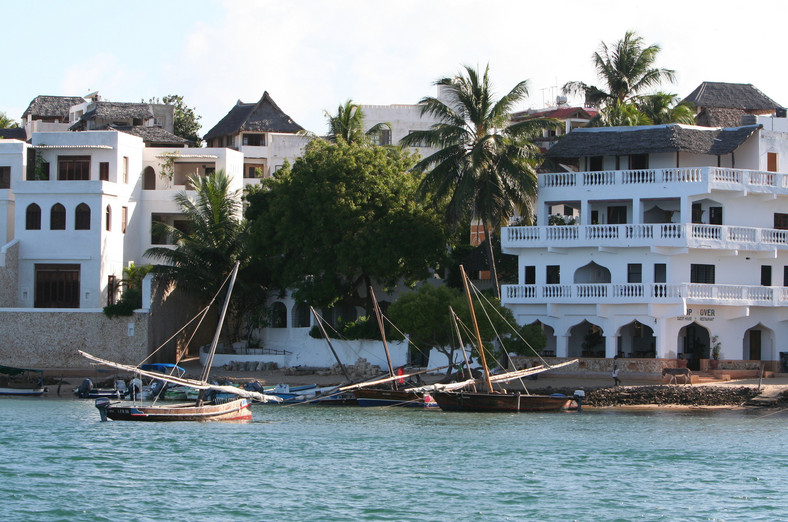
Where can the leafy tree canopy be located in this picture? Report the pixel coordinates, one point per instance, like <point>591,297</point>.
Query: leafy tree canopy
<point>342,217</point>
<point>187,121</point>
<point>348,124</point>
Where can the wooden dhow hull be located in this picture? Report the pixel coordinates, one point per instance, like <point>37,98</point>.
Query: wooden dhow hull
<point>234,410</point>
<point>503,402</point>
<point>388,397</point>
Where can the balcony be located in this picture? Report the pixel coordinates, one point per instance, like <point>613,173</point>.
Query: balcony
<point>638,293</point>
<point>703,178</point>
<point>686,235</point>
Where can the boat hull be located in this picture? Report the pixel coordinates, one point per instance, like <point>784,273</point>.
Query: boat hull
<point>504,402</point>
<point>235,410</point>
<point>12,390</point>
<point>381,397</point>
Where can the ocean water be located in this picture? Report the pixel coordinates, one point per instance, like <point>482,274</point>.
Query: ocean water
<point>59,462</point>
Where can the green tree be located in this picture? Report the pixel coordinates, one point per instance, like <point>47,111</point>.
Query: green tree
<point>424,314</point>
<point>626,69</point>
<point>6,122</point>
<point>187,121</point>
<point>485,168</point>
<point>663,107</point>
<point>208,247</point>
<point>343,217</point>
<point>131,299</point>
<point>619,114</point>
<point>348,124</point>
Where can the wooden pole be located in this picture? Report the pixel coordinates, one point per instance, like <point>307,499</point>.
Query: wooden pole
<point>320,324</point>
<point>382,333</point>
<point>476,327</point>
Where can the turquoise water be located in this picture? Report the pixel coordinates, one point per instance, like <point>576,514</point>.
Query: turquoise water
<point>58,462</point>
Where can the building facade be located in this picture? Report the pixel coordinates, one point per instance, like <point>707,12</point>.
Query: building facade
<point>678,249</point>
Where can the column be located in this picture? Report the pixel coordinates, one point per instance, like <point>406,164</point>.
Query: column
<point>611,346</point>
<point>562,346</point>
<point>585,212</point>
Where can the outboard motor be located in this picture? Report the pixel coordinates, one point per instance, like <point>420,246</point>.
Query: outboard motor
<point>84,389</point>
<point>135,389</point>
<point>578,397</point>
<point>102,403</point>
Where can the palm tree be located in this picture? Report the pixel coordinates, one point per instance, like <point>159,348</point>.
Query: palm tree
<point>620,114</point>
<point>348,124</point>
<point>209,245</point>
<point>6,122</point>
<point>626,70</point>
<point>484,168</point>
<point>663,107</point>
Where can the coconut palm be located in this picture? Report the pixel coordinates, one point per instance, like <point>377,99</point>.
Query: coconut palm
<point>6,122</point>
<point>348,124</point>
<point>484,168</point>
<point>211,242</point>
<point>663,107</point>
<point>626,69</point>
<point>620,114</point>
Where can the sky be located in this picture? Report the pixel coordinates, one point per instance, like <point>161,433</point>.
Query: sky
<point>312,56</point>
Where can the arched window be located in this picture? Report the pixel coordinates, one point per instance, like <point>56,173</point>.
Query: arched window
<point>33,217</point>
<point>278,315</point>
<point>108,218</point>
<point>57,217</point>
<point>148,179</point>
<point>82,217</point>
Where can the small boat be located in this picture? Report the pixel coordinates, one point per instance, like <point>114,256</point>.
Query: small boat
<point>498,400</point>
<point>21,381</point>
<point>204,408</point>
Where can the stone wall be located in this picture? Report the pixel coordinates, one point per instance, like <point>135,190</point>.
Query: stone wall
<point>9,274</point>
<point>599,366</point>
<point>38,338</point>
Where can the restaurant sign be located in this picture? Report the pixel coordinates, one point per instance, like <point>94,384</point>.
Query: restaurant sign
<point>698,314</point>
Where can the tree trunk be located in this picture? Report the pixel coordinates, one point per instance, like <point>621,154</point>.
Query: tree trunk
<point>491,259</point>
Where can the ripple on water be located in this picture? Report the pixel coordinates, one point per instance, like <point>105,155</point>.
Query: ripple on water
<point>390,464</point>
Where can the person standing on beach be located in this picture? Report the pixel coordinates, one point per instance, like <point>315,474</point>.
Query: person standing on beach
<point>616,380</point>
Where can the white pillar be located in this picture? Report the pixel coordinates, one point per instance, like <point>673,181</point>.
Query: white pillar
<point>637,211</point>
<point>611,346</point>
<point>562,346</point>
<point>585,212</point>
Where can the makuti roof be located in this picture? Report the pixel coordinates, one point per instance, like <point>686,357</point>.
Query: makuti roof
<point>615,141</point>
<point>17,133</point>
<point>722,95</point>
<point>561,113</point>
<point>263,116</point>
<point>52,106</point>
<point>152,136</point>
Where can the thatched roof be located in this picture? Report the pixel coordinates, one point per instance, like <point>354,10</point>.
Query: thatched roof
<point>715,117</point>
<point>114,111</point>
<point>13,134</point>
<point>651,139</point>
<point>263,116</point>
<point>152,136</point>
<point>720,95</point>
<point>51,107</point>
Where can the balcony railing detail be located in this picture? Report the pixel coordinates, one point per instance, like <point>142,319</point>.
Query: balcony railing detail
<point>723,178</point>
<point>630,293</point>
<point>692,235</point>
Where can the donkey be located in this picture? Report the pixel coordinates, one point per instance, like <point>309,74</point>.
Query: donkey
<point>675,372</point>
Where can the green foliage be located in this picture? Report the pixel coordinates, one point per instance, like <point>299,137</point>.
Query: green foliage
<point>343,216</point>
<point>626,69</point>
<point>187,122</point>
<point>485,168</point>
<point>131,299</point>
<point>663,108</point>
<point>348,124</point>
<point>530,340</point>
<point>7,122</point>
<point>206,250</point>
<point>362,328</point>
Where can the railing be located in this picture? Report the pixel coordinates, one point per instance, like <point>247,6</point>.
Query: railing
<point>692,235</point>
<point>721,178</point>
<point>613,293</point>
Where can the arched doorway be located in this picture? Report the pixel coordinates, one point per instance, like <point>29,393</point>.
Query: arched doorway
<point>586,340</point>
<point>693,345</point>
<point>302,316</point>
<point>278,315</point>
<point>592,273</point>
<point>637,340</point>
<point>148,179</point>
<point>758,344</point>
<point>549,333</point>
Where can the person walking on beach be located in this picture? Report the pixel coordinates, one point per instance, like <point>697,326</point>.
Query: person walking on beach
<point>616,380</point>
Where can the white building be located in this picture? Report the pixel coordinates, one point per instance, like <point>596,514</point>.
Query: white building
<point>263,133</point>
<point>681,244</point>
